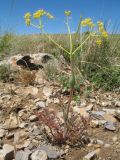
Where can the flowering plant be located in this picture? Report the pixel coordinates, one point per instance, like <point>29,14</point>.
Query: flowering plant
<point>95,30</point>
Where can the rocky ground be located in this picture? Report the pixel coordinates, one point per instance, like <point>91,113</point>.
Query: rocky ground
<point>22,137</point>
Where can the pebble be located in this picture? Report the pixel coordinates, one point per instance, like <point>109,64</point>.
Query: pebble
<point>114,138</point>
<point>94,123</point>
<point>11,122</point>
<point>2,133</point>
<point>110,126</point>
<point>40,104</point>
<point>52,151</point>
<point>92,155</point>
<point>39,155</point>
<point>33,118</point>
<point>7,152</point>
<point>22,155</point>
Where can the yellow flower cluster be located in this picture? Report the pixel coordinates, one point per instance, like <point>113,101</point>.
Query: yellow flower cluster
<point>27,18</point>
<point>87,22</point>
<point>98,42</point>
<point>67,13</point>
<point>37,15</point>
<point>102,30</point>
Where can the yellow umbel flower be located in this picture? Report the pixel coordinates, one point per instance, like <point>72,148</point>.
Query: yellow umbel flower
<point>100,26</point>
<point>27,21</point>
<point>98,42</point>
<point>67,13</point>
<point>87,22</point>
<point>105,34</point>
<point>50,16</point>
<point>27,15</point>
<point>38,14</point>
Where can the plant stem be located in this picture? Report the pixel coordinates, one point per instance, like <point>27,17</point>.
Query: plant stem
<point>49,37</point>
<point>80,45</point>
<point>70,36</point>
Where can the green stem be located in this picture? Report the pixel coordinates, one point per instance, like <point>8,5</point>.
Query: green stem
<point>70,36</point>
<point>80,45</point>
<point>49,37</point>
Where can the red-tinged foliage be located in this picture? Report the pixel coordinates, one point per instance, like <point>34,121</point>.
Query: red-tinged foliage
<point>59,133</point>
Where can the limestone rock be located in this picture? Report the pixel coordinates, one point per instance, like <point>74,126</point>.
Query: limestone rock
<point>7,152</point>
<point>110,126</point>
<point>22,155</point>
<point>11,122</point>
<point>92,155</point>
<point>39,155</point>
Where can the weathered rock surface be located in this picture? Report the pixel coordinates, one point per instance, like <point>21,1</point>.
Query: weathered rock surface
<point>39,155</point>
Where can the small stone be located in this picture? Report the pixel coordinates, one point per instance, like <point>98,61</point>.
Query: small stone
<point>56,101</point>
<point>89,107</point>
<point>52,151</point>
<point>92,155</point>
<point>106,104</point>
<point>40,104</point>
<point>39,155</point>
<point>111,111</point>
<point>106,145</point>
<point>110,126</point>
<point>11,123</point>
<point>23,125</point>
<point>117,116</point>
<point>21,155</point>
<point>33,118</point>
<point>10,135</point>
<point>20,139</point>
<point>7,152</point>
<point>36,131</point>
<point>2,133</point>
<point>81,111</point>
<point>98,114</point>
<point>47,91</point>
<point>94,123</point>
<point>114,138</point>
<point>117,104</point>
<point>100,142</point>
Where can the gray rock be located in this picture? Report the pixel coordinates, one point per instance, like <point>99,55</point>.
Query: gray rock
<point>106,104</point>
<point>98,114</point>
<point>89,107</point>
<point>117,116</point>
<point>36,131</point>
<point>23,125</point>
<point>2,133</point>
<point>7,152</point>
<point>40,104</point>
<point>39,155</point>
<point>52,151</point>
<point>100,142</point>
<point>117,104</point>
<point>111,111</point>
<point>22,155</point>
<point>92,155</point>
<point>11,122</point>
<point>33,118</point>
<point>47,91</point>
<point>110,126</point>
<point>114,138</point>
<point>21,139</point>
